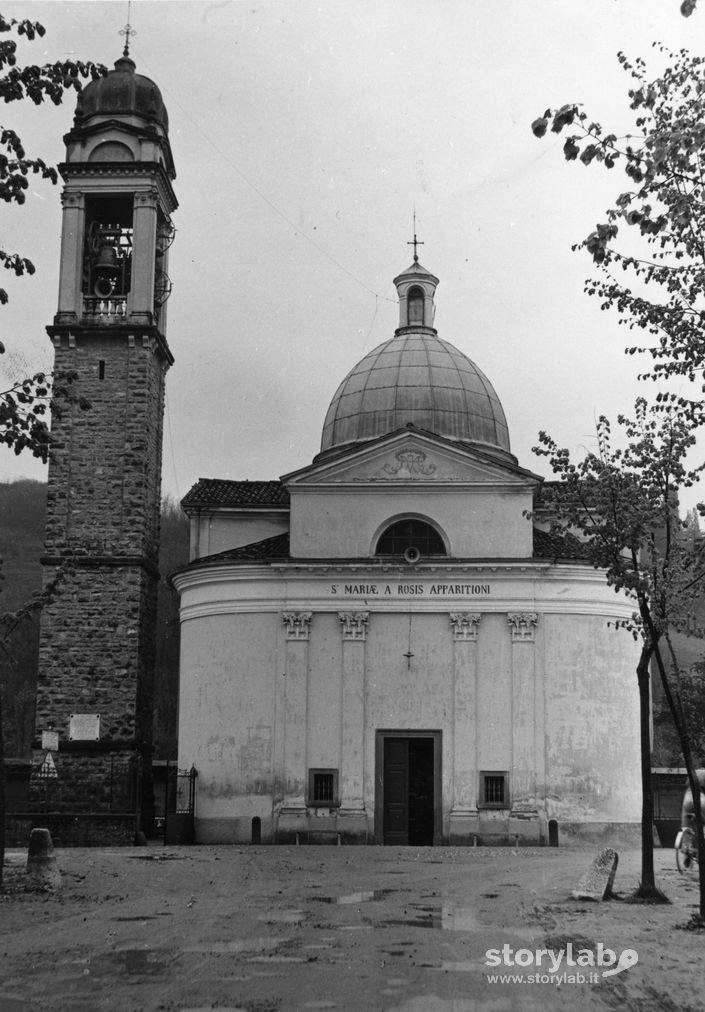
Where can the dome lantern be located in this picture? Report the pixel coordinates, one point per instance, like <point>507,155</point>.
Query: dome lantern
<point>416,288</point>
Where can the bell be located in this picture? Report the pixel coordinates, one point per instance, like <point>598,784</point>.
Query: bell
<point>107,261</point>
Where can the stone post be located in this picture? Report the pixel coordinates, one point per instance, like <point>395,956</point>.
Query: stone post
<point>464,821</point>
<point>42,870</point>
<point>354,632</point>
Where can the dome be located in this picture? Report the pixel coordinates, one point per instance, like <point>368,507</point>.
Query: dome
<point>416,378</point>
<point>122,92</point>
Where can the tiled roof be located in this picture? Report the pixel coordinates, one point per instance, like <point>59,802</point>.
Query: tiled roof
<point>221,492</point>
<point>557,546</point>
<point>546,546</point>
<point>269,548</point>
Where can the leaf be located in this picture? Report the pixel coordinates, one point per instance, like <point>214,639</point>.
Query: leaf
<point>539,126</point>
<point>571,149</point>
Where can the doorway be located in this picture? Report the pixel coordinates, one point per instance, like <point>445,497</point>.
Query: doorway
<point>408,807</point>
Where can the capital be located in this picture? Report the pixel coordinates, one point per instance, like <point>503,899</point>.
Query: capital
<point>297,624</point>
<point>354,624</point>
<point>523,626</point>
<point>465,625</point>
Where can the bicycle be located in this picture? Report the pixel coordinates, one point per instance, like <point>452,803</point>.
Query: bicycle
<point>686,843</point>
<point>686,852</point>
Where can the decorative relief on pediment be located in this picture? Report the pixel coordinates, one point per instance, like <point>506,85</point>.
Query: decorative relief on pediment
<point>410,464</point>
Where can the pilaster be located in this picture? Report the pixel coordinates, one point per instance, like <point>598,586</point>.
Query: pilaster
<point>354,633</point>
<point>464,821</point>
<point>524,800</point>
<point>297,630</point>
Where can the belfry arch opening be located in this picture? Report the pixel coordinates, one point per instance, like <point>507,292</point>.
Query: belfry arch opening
<point>407,533</point>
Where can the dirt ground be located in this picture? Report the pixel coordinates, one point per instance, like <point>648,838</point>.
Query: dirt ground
<point>288,928</point>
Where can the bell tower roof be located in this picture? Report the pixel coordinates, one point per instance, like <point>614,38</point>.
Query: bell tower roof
<point>122,108</point>
<point>122,92</point>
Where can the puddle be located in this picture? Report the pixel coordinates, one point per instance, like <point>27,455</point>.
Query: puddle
<point>278,959</point>
<point>130,962</point>
<point>286,917</point>
<point>446,917</point>
<point>143,917</point>
<point>242,945</point>
<point>414,922</point>
<point>157,856</point>
<point>458,966</point>
<point>459,919</point>
<point>365,896</point>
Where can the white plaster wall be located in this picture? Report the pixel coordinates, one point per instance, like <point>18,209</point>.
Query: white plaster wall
<point>592,720</point>
<point>408,694</point>
<point>212,533</point>
<point>342,524</point>
<point>227,711</point>
<point>324,692</point>
<point>494,694</point>
<point>233,687</point>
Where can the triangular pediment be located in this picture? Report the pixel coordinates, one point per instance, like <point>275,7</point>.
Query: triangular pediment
<point>412,458</point>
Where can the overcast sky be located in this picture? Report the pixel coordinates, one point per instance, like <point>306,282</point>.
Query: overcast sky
<point>304,134</point>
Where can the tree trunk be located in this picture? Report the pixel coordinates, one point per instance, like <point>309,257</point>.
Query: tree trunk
<point>647,885</point>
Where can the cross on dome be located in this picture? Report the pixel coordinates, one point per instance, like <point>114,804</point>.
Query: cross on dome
<point>415,242</point>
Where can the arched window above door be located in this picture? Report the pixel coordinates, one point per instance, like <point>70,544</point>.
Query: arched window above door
<point>410,533</point>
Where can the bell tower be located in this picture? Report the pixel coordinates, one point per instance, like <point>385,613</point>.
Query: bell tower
<point>94,693</point>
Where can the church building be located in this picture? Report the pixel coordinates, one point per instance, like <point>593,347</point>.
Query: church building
<point>386,646</point>
<point>389,646</point>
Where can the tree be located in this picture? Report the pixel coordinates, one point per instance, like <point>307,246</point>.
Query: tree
<point>656,285</point>
<point>23,406</point>
<point>650,254</point>
<point>623,503</point>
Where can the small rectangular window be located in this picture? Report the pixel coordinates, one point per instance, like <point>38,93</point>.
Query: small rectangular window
<point>494,789</point>
<point>101,368</point>
<point>323,788</point>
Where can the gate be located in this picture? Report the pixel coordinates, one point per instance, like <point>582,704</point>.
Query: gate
<point>179,804</point>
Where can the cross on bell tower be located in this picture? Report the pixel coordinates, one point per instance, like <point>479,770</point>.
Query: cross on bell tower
<point>96,664</point>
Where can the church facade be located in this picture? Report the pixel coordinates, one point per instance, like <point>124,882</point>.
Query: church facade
<point>389,646</point>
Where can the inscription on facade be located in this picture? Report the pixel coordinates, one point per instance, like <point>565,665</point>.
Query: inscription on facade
<point>409,589</point>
